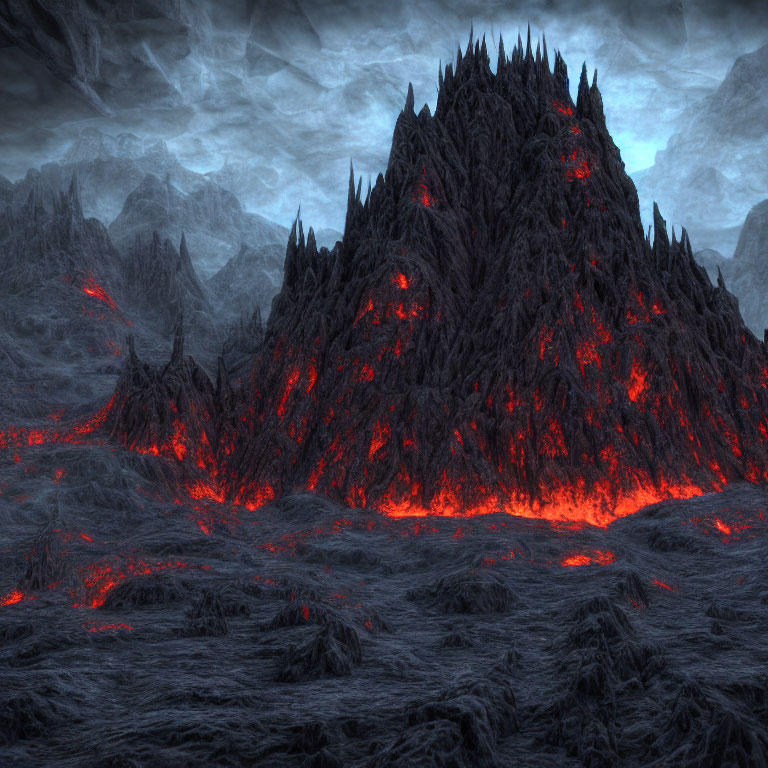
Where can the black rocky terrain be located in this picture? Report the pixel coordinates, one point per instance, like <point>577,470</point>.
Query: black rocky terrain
<point>144,632</point>
<point>494,334</point>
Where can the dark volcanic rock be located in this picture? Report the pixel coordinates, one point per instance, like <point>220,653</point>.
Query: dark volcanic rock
<point>141,591</point>
<point>333,650</point>
<point>461,726</point>
<point>173,411</point>
<point>206,615</point>
<point>61,244</point>
<point>478,590</point>
<point>242,343</point>
<point>495,331</point>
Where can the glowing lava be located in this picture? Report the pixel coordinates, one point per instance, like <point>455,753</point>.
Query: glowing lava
<point>92,288</point>
<point>595,557</point>
<point>12,598</point>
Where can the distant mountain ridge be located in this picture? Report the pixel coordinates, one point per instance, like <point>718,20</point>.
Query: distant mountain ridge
<point>716,167</point>
<point>212,219</point>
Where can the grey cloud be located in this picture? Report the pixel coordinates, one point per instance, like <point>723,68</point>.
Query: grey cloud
<point>273,99</point>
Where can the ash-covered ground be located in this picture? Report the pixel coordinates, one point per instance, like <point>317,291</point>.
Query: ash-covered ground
<point>142,629</point>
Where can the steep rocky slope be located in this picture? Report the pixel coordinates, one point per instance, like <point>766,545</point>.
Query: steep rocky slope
<point>495,332</point>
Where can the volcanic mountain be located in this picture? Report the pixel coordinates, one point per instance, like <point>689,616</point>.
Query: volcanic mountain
<point>495,332</point>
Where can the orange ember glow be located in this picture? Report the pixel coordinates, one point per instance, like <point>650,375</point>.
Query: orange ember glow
<point>562,108</point>
<point>12,598</point>
<point>662,585</point>
<point>600,507</point>
<point>596,557</point>
<point>366,373</point>
<point>312,377</point>
<point>293,380</point>
<point>379,439</point>
<point>723,527</point>
<point>637,382</point>
<point>424,195</point>
<point>92,288</point>
<point>106,627</point>
<point>401,281</point>
<point>101,578</point>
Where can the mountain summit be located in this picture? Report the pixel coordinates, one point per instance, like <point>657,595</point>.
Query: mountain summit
<point>495,331</point>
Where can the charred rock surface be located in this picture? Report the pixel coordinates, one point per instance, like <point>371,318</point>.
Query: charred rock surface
<point>242,343</point>
<point>174,411</point>
<point>495,331</point>
<point>244,638</point>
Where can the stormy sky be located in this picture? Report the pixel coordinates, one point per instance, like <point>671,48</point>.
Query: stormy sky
<point>282,95</point>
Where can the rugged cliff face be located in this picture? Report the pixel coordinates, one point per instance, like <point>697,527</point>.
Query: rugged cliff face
<point>495,332</point>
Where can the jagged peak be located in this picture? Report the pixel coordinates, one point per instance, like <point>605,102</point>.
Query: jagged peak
<point>311,243</point>
<point>177,354</point>
<point>223,387</point>
<point>409,100</point>
<point>132,359</point>
<point>583,105</point>
<point>70,202</point>
<point>528,51</point>
<point>660,237</point>
<point>351,193</point>
<point>720,279</point>
<point>183,250</point>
